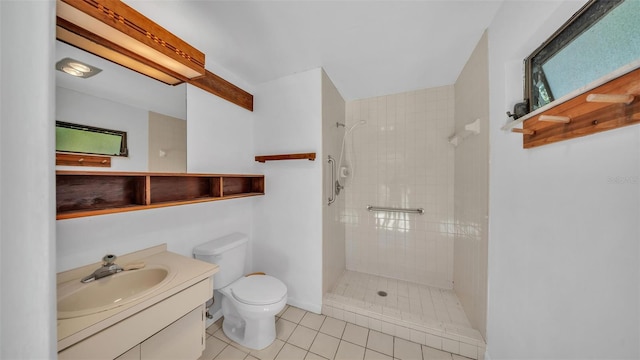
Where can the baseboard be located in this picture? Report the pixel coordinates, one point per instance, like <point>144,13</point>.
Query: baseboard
<point>314,308</point>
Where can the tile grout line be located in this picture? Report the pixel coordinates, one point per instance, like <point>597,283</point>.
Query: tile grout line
<point>315,337</point>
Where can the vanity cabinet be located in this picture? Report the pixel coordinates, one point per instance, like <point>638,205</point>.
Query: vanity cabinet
<point>173,328</point>
<point>184,339</point>
<point>80,193</point>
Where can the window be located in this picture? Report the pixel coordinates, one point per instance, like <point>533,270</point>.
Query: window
<point>84,139</point>
<point>599,39</point>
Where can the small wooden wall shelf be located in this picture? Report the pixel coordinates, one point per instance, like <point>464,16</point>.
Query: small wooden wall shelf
<point>609,106</point>
<point>69,159</point>
<point>308,156</point>
<point>81,193</point>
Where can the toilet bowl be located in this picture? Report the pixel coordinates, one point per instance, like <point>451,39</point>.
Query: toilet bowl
<point>249,306</point>
<point>249,303</point>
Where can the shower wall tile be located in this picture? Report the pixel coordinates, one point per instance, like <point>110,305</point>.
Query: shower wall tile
<point>333,241</point>
<point>401,158</point>
<point>471,206</point>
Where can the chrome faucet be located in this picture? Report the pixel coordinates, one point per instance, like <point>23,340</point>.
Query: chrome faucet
<point>108,268</point>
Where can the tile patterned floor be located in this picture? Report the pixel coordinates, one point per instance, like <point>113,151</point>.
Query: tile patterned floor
<point>303,335</point>
<point>426,315</point>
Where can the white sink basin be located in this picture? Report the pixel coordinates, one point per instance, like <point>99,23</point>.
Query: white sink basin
<point>78,299</point>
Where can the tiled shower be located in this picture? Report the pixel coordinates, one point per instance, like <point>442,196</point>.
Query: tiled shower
<point>401,159</point>
<point>416,276</point>
<point>421,277</point>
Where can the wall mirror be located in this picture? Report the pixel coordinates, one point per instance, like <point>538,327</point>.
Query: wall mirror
<point>152,113</point>
<point>600,39</point>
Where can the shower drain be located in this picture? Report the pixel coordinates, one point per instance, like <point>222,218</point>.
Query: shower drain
<point>382,293</point>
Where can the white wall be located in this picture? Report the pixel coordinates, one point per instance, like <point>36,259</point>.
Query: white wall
<point>167,143</point>
<point>401,158</point>
<point>27,235</point>
<point>219,135</point>
<point>288,219</point>
<point>333,229</point>
<point>87,240</point>
<point>219,141</point>
<point>471,187</point>
<point>563,249</point>
<point>80,108</point>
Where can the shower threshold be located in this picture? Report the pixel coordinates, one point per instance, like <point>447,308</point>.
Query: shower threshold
<point>427,315</point>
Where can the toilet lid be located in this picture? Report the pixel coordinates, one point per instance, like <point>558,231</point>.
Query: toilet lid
<point>259,290</point>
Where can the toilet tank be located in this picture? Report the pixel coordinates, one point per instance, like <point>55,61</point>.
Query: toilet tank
<point>228,252</point>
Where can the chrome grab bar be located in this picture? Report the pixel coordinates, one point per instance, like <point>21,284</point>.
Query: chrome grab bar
<point>331,161</point>
<point>388,209</point>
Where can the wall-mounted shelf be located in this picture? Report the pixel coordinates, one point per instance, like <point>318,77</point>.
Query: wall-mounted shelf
<point>470,128</point>
<point>264,158</point>
<point>80,193</point>
<point>608,106</point>
<point>68,159</point>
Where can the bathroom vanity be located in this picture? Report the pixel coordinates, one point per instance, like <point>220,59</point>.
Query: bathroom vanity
<point>155,318</point>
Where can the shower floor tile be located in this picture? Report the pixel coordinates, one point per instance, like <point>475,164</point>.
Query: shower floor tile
<point>424,314</point>
<point>402,298</point>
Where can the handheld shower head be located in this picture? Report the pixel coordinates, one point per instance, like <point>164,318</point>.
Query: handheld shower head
<point>361,122</point>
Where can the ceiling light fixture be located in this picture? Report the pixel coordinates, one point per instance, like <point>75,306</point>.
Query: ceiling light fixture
<point>80,67</point>
<point>77,68</point>
<point>114,31</point>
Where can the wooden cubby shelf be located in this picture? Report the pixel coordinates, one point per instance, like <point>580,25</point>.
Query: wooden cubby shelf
<point>80,193</point>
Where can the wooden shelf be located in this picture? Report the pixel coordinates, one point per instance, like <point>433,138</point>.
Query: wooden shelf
<point>308,156</point>
<point>69,159</point>
<point>80,193</point>
<point>609,106</point>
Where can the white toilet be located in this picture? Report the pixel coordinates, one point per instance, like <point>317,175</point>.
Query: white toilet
<point>249,304</point>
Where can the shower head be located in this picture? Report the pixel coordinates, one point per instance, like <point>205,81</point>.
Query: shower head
<point>361,122</point>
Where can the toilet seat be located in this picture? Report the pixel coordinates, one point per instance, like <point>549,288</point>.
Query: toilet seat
<point>258,290</point>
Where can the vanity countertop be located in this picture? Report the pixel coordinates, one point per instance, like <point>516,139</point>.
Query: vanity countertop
<point>188,272</point>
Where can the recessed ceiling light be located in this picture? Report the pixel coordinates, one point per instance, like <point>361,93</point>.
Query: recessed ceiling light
<point>72,71</point>
<point>80,67</point>
<point>77,68</point>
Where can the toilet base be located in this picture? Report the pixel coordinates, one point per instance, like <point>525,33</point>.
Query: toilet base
<point>256,337</point>
<point>256,329</point>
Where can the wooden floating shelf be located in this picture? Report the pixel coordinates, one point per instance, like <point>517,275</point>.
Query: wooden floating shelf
<point>308,156</point>
<point>68,159</point>
<point>80,193</point>
<point>609,106</point>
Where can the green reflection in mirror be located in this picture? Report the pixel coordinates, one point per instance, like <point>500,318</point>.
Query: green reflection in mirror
<point>83,139</point>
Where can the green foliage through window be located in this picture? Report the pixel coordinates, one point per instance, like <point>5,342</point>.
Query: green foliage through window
<point>83,139</point>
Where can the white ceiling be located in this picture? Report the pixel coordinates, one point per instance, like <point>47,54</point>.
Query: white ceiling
<point>368,48</point>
